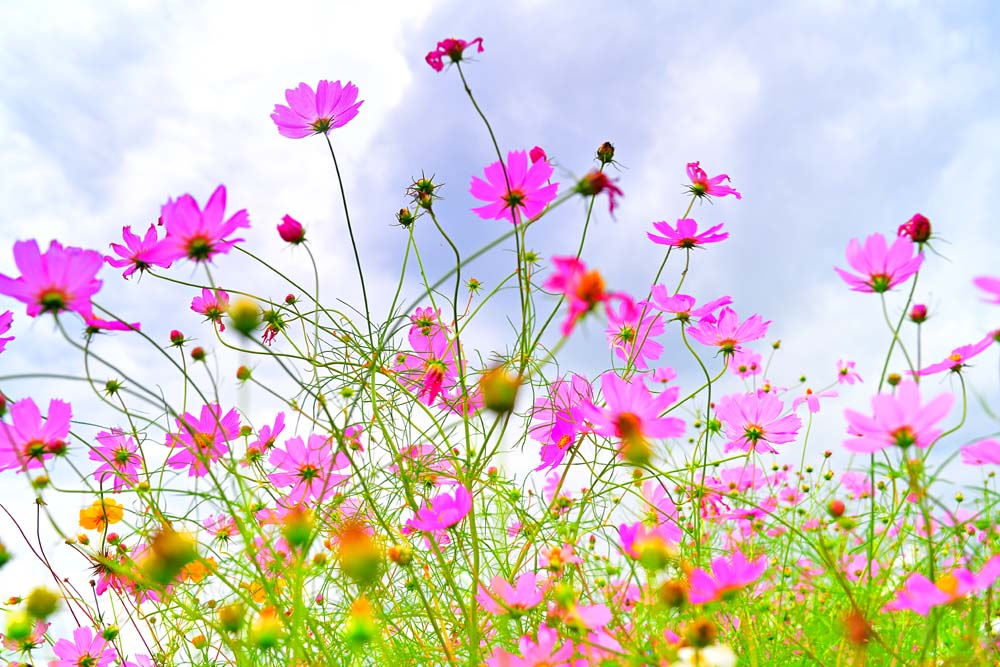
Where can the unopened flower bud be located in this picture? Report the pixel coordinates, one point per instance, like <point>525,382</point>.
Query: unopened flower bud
<point>918,313</point>
<point>198,354</point>
<point>537,154</point>
<point>918,228</point>
<point>290,299</point>
<point>242,373</point>
<point>606,152</point>
<point>266,630</point>
<point>701,633</point>
<point>19,625</point>
<point>499,389</point>
<point>290,230</point>
<point>245,315</point>
<point>836,508</point>
<point>893,379</point>
<point>176,337</point>
<point>41,602</point>
<point>404,217</point>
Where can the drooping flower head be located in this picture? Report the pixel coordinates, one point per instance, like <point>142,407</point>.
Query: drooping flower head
<point>528,194</point>
<point>631,339</point>
<point>899,420</point>
<point>308,468</point>
<point>6,320</point>
<point>727,332</point>
<point>956,361</point>
<point>583,289</point>
<point>309,112</point>
<point>61,279</point>
<point>596,182</point>
<point>139,254</point>
<point>991,286</point>
<point>199,234</point>
<point>917,228</point>
<point>27,440</point>
<point>685,235</point>
<point>880,267</point>
<point>728,576</point>
<point>454,49</point>
<point>754,422</point>
<point>119,458</point>
<point>213,304</point>
<point>202,440</point>
<point>87,649</point>
<point>703,186</point>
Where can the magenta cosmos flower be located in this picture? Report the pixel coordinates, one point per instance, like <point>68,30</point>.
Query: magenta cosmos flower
<point>955,361</point>
<point>442,511</point>
<point>682,305</point>
<point>556,419</point>
<point>631,340</point>
<point>119,458</point>
<point>881,267</point>
<point>204,440</point>
<point>87,649</point>
<point>61,279</point>
<point>727,577</point>
<point>583,289</point>
<point>28,440</point>
<point>899,420</point>
<point>528,195</point>
<point>685,235</point>
<point>703,186</point>
<point>919,594</point>
<point>139,253</point>
<point>197,234</point>
<point>991,286</point>
<point>502,598</point>
<point>309,469</point>
<point>6,320</point>
<point>213,304</point>
<point>332,105</point>
<point>430,370</point>
<point>727,332</point>
<point>453,48</point>
<point>290,230</point>
<point>544,652</point>
<point>753,422</point>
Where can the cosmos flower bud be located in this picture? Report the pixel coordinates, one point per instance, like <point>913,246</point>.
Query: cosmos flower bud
<point>499,389</point>
<point>606,152</point>
<point>401,554</point>
<point>918,228</point>
<point>673,593</point>
<point>918,313</point>
<point>893,379</point>
<point>19,625</point>
<point>404,218</point>
<point>169,552</point>
<point>243,373</point>
<point>857,628</point>
<point>245,315</point>
<point>198,354</point>
<point>110,633</point>
<point>836,508</point>
<point>298,527</point>
<point>266,630</point>
<point>536,154</point>
<point>176,337</point>
<point>701,633</point>
<point>231,616</point>
<point>41,602</point>
<point>290,230</point>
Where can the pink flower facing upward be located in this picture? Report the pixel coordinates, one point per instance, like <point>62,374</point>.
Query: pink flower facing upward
<point>726,579</point>
<point>955,361</point>
<point>213,304</point>
<point>631,340</point>
<point>6,320</point>
<point>454,49</point>
<point>332,105</point>
<point>139,254</point>
<point>632,415</point>
<point>28,441</point>
<point>703,186</point>
<point>203,440</point>
<point>61,279</point>
<point>442,511</point>
<point>528,195</point>
<point>846,373</point>
<point>682,305</point>
<point>119,458</point>
<point>583,289</point>
<point>308,468</point>
<point>899,420</point>
<point>88,649</point>
<point>881,267</point>
<point>199,235</point>
<point>727,332</point>
<point>502,598</point>
<point>685,235</point>
<point>991,286</point>
<point>981,453</point>
<point>920,594</point>
<point>544,653</point>
<point>753,422</point>
<point>557,419</point>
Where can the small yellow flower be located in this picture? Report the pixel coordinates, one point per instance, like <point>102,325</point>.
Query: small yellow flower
<point>102,513</point>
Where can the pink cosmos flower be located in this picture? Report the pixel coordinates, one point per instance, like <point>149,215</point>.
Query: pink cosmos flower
<point>537,154</point>
<point>528,195</point>
<point>858,485</point>
<point>632,414</point>
<point>213,304</point>
<point>61,279</point>
<point>290,230</point>
<point>430,369</point>
<point>556,418</point>
<point>26,442</point>
<point>956,360</point>
<point>753,422</point>
<point>918,228</point>
<point>703,186</point>
<point>991,286</point>
<point>583,289</point>
<point>203,440</point>
<point>6,320</point>
<point>442,511</point>
<point>899,420</point>
<point>545,653</point>
<point>728,333</point>
<point>686,234</point>
<point>138,254</point>
<point>119,458</point>
<point>502,598</point>
<point>639,540</point>
<point>982,452</point>
<point>682,305</point>
<point>88,649</point>
<point>596,182</point>
<point>920,594</point>
<point>727,577</point>
<point>197,234</point>
<point>880,267</point>
<point>424,322</point>
<point>35,639</point>
<point>746,363</point>
<point>631,340</point>
<point>811,399</point>
<point>581,616</point>
<point>266,437</point>
<point>332,105</point>
<point>453,48</point>
<point>308,468</point>
<point>846,373</point>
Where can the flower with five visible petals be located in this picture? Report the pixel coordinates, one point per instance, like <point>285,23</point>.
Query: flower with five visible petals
<point>703,186</point>
<point>811,399</point>
<point>308,468</point>
<point>955,361</point>
<point>138,254</point>
<point>727,332</point>
<point>502,598</point>
<point>991,286</point>
<point>544,653</point>
<point>920,594</point>
<point>753,422</point>
<point>119,458</point>
<point>685,235</point>
<point>27,441</point>
<point>881,267</point>
<point>88,649</point>
<point>682,305</point>
<point>728,576</point>
<point>899,420</point>
<point>332,105</point>
<point>442,511</point>
<point>528,194</point>
<point>213,304</point>
<point>101,513</point>
<point>199,234</point>
<point>583,289</point>
<point>6,320</point>
<point>631,340</point>
<point>61,279</point>
<point>266,437</point>
<point>454,49</point>
<point>203,440</point>
<point>982,452</point>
